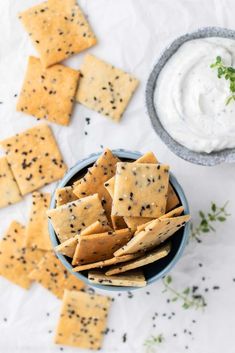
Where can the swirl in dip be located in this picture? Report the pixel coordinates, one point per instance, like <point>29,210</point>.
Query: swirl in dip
<point>191,100</point>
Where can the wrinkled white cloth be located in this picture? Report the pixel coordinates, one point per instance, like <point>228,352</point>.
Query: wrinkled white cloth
<point>131,34</point>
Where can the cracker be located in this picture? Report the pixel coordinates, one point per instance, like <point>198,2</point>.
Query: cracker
<point>68,247</point>
<point>172,199</point>
<point>37,233</point>
<point>135,222</point>
<point>52,275</point>
<point>70,219</point>
<point>95,228</point>
<point>146,259</point>
<point>16,261</point>
<point>174,213</point>
<point>64,195</point>
<point>129,279</point>
<point>104,263</point>
<point>93,182</point>
<point>154,234</point>
<point>104,88</point>
<point>97,247</point>
<point>9,190</point>
<point>48,93</point>
<point>82,320</point>
<point>58,29</point>
<point>34,158</point>
<point>118,222</point>
<point>148,157</point>
<point>140,190</point>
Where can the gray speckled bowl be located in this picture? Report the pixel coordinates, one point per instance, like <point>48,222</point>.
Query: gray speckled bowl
<point>208,159</point>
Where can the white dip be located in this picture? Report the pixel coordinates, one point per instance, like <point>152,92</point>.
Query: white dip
<point>191,100</point>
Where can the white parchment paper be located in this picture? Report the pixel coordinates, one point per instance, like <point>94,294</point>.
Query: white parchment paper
<point>131,34</point>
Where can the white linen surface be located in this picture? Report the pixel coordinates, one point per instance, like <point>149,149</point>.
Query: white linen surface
<point>132,34</point>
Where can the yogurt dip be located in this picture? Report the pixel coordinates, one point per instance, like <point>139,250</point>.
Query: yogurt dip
<point>191,100</point>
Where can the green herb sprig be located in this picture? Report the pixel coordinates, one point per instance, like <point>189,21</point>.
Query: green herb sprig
<point>189,297</point>
<point>208,220</point>
<point>228,72</point>
<point>153,341</point>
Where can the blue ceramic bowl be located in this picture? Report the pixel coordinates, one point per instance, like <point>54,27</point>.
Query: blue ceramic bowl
<point>153,271</point>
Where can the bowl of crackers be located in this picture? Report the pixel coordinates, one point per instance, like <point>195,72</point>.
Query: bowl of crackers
<point>119,220</point>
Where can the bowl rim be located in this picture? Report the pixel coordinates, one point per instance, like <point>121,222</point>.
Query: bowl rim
<point>201,158</point>
<point>83,163</point>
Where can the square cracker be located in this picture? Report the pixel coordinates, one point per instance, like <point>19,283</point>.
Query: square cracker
<point>16,261</point>
<point>93,182</point>
<point>140,190</point>
<point>154,234</point>
<point>64,195</point>
<point>105,263</point>
<point>52,275</point>
<point>48,93</point>
<point>129,279</point>
<point>148,157</point>
<point>70,219</point>
<point>68,247</point>
<point>97,247</point>
<point>82,320</point>
<point>9,190</point>
<point>146,259</point>
<point>37,233</point>
<point>104,88</point>
<point>131,222</point>
<point>34,158</point>
<point>58,29</point>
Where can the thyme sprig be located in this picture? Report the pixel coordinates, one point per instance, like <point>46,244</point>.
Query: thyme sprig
<point>189,297</point>
<point>228,72</point>
<point>153,341</point>
<point>208,220</point>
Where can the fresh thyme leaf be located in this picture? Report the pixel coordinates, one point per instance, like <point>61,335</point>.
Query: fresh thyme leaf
<point>228,72</point>
<point>190,297</point>
<point>207,220</point>
<point>153,341</point>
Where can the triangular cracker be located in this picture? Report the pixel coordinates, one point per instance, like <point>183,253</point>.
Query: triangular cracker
<point>58,29</point>
<point>48,93</point>
<point>37,233</point>
<point>70,219</point>
<point>104,263</point>
<point>82,320</point>
<point>118,222</point>
<point>93,182</point>
<point>64,195</point>
<point>129,279</point>
<point>97,247</point>
<point>172,199</point>
<point>52,275</point>
<point>68,247</point>
<point>34,158</point>
<point>9,190</point>
<point>154,234</point>
<point>17,261</point>
<point>140,190</point>
<point>105,88</point>
<point>146,259</point>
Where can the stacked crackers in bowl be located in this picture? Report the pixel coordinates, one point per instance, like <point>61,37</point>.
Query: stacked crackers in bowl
<point>116,219</point>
